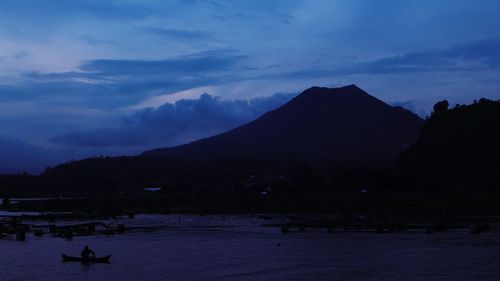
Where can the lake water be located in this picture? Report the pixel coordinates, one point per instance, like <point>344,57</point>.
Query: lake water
<point>234,248</point>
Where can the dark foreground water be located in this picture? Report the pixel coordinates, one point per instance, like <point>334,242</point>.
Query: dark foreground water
<point>198,248</point>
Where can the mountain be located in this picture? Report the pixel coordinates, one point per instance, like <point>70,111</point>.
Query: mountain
<point>344,125</point>
<point>456,147</point>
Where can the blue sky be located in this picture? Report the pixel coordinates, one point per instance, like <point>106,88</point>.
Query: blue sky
<point>83,78</point>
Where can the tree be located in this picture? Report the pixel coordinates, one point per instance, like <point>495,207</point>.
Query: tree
<point>440,107</point>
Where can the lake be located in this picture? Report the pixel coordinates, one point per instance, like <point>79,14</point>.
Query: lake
<point>239,248</point>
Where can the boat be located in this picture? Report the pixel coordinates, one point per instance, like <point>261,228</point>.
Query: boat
<point>105,259</point>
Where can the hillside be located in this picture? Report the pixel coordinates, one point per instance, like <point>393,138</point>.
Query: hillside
<point>457,147</point>
<point>314,142</point>
<point>345,125</point>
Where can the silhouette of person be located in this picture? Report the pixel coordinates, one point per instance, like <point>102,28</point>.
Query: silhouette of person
<point>87,253</point>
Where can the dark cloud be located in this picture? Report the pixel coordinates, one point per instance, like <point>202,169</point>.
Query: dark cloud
<point>104,83</point>
<point>480,55</point>
<point>302,42</point>
<point>475,56</point>
<point>486,52</point>
<point>187,65</point>
<point>180,34</point>
<point>173,124</point>
<point>93,40</point>
<point>126,136</point>
<point>18,156</point>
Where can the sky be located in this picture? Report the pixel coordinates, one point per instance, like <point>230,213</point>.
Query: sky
<point>84,78</point>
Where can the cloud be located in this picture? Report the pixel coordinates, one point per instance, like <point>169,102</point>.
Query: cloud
<point>486,52</point>
<point>475,56</point>
<point>105,83</point>
<point>173,124</point>
<point>18,156</point>
<point>83,63</point>
<point>180,34</point>
<point>93,40</point>
<point>186,65</point>
<point>483,55</point>
<point>410,105</point>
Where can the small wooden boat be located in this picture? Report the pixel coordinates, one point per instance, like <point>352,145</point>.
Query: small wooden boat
<point>105,259</point>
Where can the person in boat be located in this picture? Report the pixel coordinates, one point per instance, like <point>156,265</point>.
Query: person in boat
<point>87,253</point>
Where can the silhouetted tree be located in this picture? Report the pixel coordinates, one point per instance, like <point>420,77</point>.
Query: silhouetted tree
<point>458,148</point>
<point>484,101</point>
<point>440,107</point>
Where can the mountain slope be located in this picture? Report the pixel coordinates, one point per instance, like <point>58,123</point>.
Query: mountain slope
<point>456,147</point>
<point>345,125</point>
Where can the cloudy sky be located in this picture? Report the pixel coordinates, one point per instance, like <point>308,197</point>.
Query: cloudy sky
<point>83,77</point>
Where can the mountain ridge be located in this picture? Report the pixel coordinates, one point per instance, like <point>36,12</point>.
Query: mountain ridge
<point>320,123</point>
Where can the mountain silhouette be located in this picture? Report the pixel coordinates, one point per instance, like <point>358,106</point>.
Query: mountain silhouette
<point>345,125</point>
<point>456,147</point>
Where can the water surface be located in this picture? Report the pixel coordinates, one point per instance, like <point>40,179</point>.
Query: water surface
<point>234,248</point>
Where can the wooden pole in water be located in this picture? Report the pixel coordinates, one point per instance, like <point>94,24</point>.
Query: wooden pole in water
<point>20,235</point>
